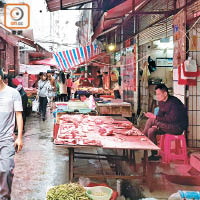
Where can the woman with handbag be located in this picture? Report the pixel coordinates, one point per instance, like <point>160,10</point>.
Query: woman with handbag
<point>43,87</point>
<point>52,89</point>
<point>62,86</point>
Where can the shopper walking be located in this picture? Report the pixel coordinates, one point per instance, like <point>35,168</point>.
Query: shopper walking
<point>52,89</point>
<point>43,87</point>
<point>10,105</point>
<point>19,87</point>
<point>39,78</point>
<point>63,87</point>
<point>69,87</point>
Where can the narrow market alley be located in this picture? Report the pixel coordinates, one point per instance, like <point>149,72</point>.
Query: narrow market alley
<point>99,93</point>
<point>40,164</point>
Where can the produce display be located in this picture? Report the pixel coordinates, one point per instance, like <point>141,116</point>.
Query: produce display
<point>95,90</point>
<point>70,191</point>
<point>92,130</point>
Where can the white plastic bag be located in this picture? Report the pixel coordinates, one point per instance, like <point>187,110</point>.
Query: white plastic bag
<point>35,106</point>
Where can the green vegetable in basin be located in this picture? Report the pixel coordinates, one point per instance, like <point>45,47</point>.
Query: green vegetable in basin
<point>70,191</point>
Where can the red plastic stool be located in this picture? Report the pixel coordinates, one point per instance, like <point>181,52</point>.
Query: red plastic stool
<point>179,152</point>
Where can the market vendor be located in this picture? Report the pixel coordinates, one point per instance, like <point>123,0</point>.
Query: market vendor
<point>75,86</point>
<point>98,82</point>
<point>171,118</point>
<point>116,91</point>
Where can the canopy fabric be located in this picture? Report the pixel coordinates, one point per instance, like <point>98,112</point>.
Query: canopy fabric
<point>33,69</point>
<point>115,15</point>
<point>48,61</point>
<point>70,59</point>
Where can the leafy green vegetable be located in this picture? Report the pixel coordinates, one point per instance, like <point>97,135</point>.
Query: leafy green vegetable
<point>70,191</point>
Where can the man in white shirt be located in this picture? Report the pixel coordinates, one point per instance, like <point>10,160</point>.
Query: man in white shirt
<point>10,105</point>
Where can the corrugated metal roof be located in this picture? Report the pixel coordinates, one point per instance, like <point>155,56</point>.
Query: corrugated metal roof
<point>54,5</point>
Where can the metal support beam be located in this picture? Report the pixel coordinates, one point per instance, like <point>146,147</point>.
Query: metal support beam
<point>112,18</point>
<point>174,4</point>
<point>70,7</point>
<point>97,9</point>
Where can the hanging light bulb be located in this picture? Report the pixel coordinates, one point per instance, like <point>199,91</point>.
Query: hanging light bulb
<point>111,47</point>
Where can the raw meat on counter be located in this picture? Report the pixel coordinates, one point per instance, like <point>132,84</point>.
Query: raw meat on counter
<point>88,130</point>
<point>105,131</point>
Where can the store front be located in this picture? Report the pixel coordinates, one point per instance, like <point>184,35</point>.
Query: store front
<point>155,67</point>
<point>8,57</point>
<point>193,91</point>
<point>170,44</point>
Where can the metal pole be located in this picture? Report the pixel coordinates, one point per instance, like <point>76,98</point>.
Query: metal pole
<point>61,5</point>
<point>133,6</point>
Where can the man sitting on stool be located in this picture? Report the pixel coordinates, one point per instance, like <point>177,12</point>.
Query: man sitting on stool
<point>171,119</point>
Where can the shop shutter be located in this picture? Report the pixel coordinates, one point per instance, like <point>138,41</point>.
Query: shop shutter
<point>155,26</point>
<point>193,14</point>
<point>193,11</point>
<point>154,5</point>
<point>161,30</point>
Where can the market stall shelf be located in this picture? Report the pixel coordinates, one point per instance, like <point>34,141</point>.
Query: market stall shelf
<point>92,90</point>
<point>106,132</point>
<point>73,107</point>
<point>111,108</point>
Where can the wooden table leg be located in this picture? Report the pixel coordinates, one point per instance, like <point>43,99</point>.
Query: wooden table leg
<point>145,160</point>
<point>132,155</point>
<point>71,164</point>
<point>147,173</point>
<point>124,152</point>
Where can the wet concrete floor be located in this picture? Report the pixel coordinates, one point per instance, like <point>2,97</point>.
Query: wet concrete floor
<point>40,164</point>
